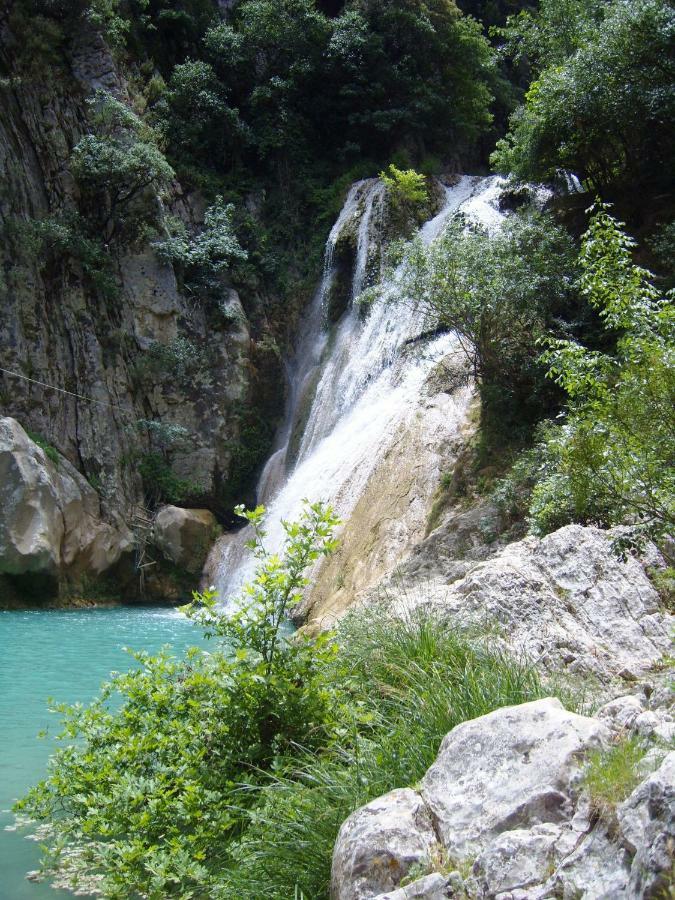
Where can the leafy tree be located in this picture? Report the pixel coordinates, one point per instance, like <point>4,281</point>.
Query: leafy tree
<point>168,31</point>
<point>612,460</point>
<point>603,104</point>
<point>389,94</point>
<point>149,794</point>
<point>197,120</point>
<point>499,292</point>
<point>119,169</point>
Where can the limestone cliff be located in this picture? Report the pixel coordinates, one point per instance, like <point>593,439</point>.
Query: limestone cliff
<point>145,354</point>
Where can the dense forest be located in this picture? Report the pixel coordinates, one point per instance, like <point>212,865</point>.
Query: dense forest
<point>227,146</point>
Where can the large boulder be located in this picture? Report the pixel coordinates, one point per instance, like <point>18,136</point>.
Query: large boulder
<point>185,536</point>
<point>379,844</point>
<point>503,813</point>
<point>567,602</point>
<point>515,768</point>
<point>51,517</point>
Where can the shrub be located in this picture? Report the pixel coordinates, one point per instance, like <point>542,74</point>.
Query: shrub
<point>160,482</point>
<point>50,450</point>
<point>613,455</point>
<point>613,774</point>
<point>120,169</point>
<point>229,773</point>
<point>499,293</point>
<point>148,795</point>
<point>405,186</point>
<point>208,252</point>
<point>60,238</point>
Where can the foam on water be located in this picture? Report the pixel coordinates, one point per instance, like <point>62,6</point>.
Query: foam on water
<point>369,378</point>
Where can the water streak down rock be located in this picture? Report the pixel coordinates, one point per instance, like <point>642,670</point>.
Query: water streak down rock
<point>376,416</point>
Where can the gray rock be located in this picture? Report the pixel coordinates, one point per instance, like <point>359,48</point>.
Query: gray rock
<point>506,797</point>
<point>431,887</point>
<point>647,823</point>
<point>514,768</point>
<point>566,601</point>
<point>185,536</point>
<point>378,845</point>
<point>517,859</point>
<point>622,713</point>
<point>596,869</point>
<point>51,518</point>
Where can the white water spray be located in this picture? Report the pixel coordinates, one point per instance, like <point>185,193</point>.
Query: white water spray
<point>368,380</point>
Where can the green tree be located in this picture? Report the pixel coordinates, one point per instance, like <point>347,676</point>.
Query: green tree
<point>498,292</point>
<point>120,170</point>
<point>612,461</point>
<point>603,104</point>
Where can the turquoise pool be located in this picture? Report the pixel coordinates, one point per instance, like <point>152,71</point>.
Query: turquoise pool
<point>64,655</point>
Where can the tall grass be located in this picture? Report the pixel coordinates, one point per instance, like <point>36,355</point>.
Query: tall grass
<point>410,682</point>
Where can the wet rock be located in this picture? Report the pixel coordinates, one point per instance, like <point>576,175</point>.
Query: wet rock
<point>378,845</point>
<point>51,518</point>
<point>185,536</point>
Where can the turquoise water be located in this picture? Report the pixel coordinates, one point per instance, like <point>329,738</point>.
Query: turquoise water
<point>65,655</point>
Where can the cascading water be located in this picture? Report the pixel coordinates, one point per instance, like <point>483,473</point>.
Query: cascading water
<point>367,377</point>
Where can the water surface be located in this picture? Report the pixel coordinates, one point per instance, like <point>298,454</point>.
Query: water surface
<point>65,655</point>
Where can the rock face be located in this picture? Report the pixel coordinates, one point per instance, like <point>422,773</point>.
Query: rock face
<point>566,601</point>
<point>51,517</point>
<point>122,349</point>
<point>185,536</point>
<point>505,801</point>
<point>379,843</point>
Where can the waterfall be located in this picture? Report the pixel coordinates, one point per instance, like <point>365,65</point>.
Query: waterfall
<point>365,377</point>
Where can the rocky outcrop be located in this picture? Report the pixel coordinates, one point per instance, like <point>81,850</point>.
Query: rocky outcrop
<point>185,536</point>
<point>139,346</point>
<point>505,811</point>
<point>51,523</point>
<point>567,601</point>
<point>390,516</point>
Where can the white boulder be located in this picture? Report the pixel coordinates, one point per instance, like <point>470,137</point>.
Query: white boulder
<point>379,844</point>
<point>50,519</point>
<point>185,536</point>
<point>505,804</point>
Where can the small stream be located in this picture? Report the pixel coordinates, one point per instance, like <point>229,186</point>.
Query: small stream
<point>65,655</point>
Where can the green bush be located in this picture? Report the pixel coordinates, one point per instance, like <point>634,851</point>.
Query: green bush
<point>499,293</point>
<point>405,186</point>
<point>602,104</point>
<point>229,773</point>
<point>64,239</point>
<point>612,458</point>
<point>612,774</point>
<point>203,255</point>
<point>120,169</point>
<point>160,482</point>
<point>50,450</point>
